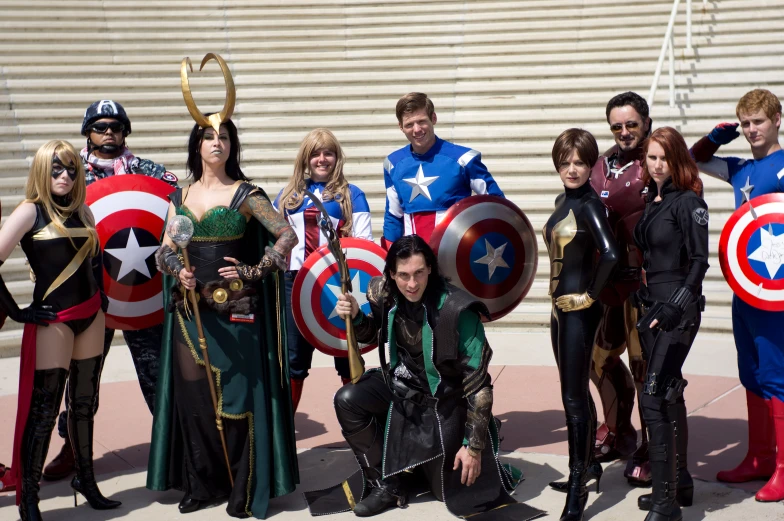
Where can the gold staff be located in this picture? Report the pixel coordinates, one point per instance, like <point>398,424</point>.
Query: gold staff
<point>180,231</point>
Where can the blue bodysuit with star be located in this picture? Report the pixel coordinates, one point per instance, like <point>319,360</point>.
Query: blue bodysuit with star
<point>758,333</point>
<point>421,187</point>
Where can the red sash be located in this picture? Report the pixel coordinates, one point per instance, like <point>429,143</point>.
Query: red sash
<point>27,371</point>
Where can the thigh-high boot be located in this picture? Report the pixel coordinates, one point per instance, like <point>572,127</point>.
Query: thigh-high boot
<point>82,391</point>
<point>48,387</point>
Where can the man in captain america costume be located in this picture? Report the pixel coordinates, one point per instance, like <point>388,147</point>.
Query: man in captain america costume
<point>757,332</point>
<point>106,125</point>
<point>423,180</point>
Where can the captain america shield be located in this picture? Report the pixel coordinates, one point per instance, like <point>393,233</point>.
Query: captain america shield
<point>129,212</point>
<point>751,252</point>
<point>486,245</point>
<point>316,287</point>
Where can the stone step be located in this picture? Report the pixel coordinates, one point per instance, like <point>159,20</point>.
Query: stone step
<point>295,27</point>
<point>714,44</point>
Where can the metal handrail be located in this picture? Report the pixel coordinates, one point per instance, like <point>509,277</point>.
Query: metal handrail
<point>668,48</point>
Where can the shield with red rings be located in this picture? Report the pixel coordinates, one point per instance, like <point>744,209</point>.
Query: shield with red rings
<point>486,245</point>
<point>751,252</point>
<point>316,287</point>
<point>129,213</point>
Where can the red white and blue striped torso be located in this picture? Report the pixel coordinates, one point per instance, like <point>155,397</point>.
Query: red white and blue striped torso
<point>304,220</point>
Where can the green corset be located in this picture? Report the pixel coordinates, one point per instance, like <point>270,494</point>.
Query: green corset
<point>219,222</point>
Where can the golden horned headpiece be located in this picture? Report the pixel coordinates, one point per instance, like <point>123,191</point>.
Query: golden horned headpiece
<point>216,119</point>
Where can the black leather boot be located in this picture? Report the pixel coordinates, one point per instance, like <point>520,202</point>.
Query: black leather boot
<point>48,387</point>
<point>368,445</point>
<point>663,474</point>
<point>684,494</point>
<point>82,392</point>
<point>581,436</point>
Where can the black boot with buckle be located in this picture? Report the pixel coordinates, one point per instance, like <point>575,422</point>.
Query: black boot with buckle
<point>384,493</point>
<point>663,474</point>
<point>684,493</point>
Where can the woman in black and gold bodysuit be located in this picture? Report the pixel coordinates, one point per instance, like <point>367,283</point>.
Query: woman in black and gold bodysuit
<point>63,326</point>
<point>574,233</point>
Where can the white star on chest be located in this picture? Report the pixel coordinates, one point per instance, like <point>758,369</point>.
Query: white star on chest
<point>770,252</point>
<point>494,258</point>
<point>133,256</point>
<point>419,184</point>
<point>746,191</point>
<point>360,296</point>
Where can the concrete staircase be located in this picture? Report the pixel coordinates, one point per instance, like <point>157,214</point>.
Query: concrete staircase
<point>506,77</point>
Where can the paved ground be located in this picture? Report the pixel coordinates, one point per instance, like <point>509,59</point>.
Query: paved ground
<point>526,400</point>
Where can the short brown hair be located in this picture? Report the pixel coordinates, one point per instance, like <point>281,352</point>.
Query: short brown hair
<point>412,102</point>
<point>575,139</point>
<point>758,99</point>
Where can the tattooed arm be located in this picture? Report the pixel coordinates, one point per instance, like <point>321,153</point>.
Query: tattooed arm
<point>259,207</point>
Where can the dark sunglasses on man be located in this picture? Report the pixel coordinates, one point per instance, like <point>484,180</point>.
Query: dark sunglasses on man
<point>58,168</point>
<point>618,127</point>
<point>101,128</point>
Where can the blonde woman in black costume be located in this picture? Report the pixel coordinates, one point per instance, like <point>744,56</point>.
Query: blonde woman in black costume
<point>63,326</point>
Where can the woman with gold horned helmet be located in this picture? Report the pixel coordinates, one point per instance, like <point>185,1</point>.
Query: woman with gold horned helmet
<point>239,245</point>
<point>63,326</point>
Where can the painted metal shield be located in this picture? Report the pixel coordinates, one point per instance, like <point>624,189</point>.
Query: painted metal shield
<point>314,294</point>
<point>486,245</point>
<point>751,252</point>
<point>129,212</point>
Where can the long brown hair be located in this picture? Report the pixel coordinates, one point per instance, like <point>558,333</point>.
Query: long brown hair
<point>685,174</point>
<point>39,189</point>
<point>337,187</point>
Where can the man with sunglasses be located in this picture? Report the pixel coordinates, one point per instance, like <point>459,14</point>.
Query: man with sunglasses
<point>617,178</point>
<point>106,125</point>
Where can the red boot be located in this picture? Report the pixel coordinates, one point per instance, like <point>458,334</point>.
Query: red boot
<point>296,392</point>
<point>774,489</point>
<point>760,461</point>
<point>7,481</point>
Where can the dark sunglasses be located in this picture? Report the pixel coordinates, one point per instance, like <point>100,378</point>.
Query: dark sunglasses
<point>618,127</point>
<point>114,126</point>
<point>58,168</point>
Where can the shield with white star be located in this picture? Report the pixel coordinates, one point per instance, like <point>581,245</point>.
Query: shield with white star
<point>751,252</point>
<point>486,245</point>
<point>316,287</point>
<point>129,212</point>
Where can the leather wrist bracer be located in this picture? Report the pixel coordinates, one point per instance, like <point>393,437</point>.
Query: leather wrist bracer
<point>480,412</point>
<point>271,261</point>
<point>168,261</point>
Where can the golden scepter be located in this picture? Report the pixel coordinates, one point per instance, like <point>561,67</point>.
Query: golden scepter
<point>180,231</point>
<point>356,364</point>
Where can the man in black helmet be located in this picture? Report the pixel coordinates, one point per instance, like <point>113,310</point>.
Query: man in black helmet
<point>105,125</point>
